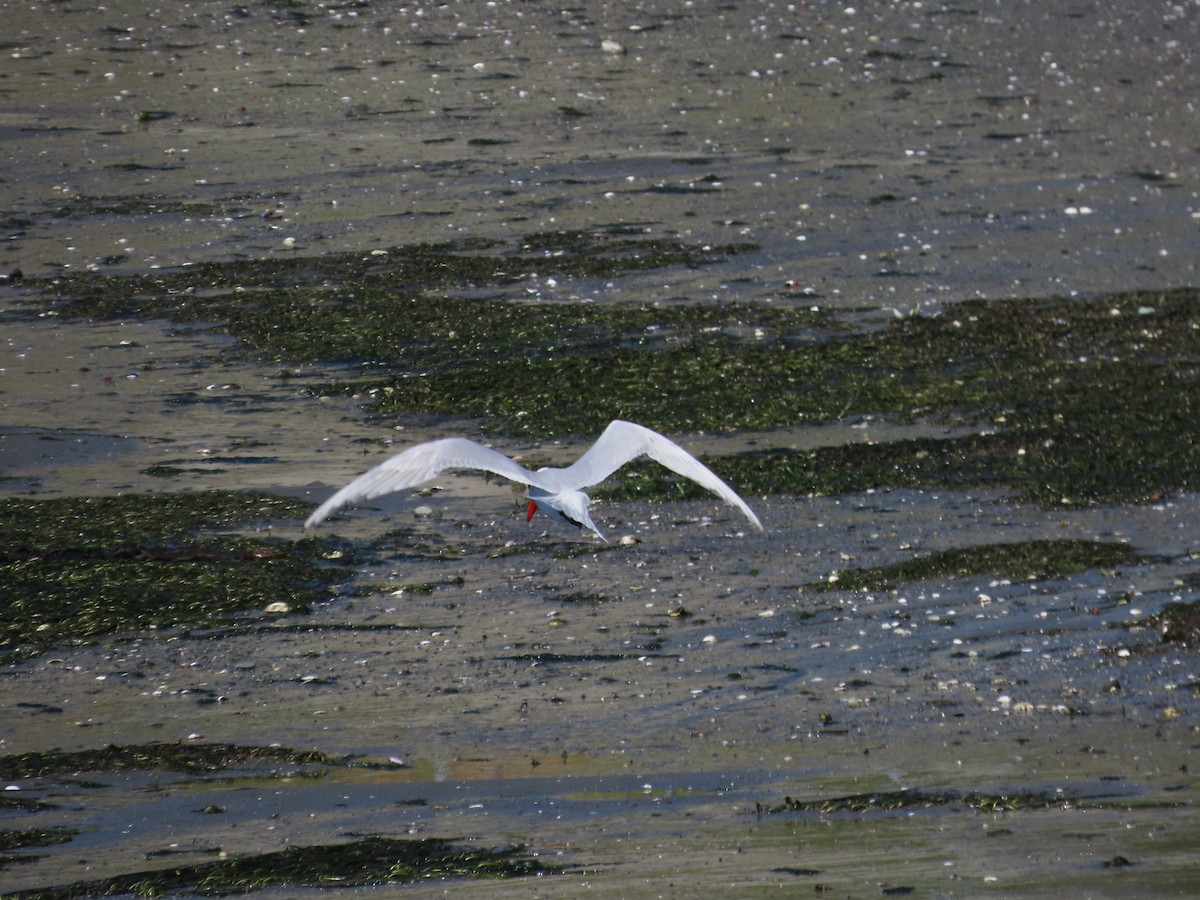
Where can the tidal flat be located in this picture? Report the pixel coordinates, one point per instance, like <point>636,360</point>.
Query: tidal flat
<point>917,281</point>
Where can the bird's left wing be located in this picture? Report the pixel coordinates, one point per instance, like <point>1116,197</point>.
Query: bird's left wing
<point>623,442</point>
<point>417,465</point>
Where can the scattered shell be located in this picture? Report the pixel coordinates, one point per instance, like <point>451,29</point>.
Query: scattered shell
<point>278,607</point>
<point>608,45</point>
<point>629,540</point>
<point>423,512</point>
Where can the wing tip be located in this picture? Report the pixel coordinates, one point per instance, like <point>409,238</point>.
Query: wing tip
<point>321,513</point>
<point>755,521</point>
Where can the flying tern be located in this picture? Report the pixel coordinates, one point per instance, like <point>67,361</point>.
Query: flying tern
<point>559,491</point>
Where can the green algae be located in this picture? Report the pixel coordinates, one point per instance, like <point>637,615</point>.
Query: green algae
<point>192,759</point>
<point>406,544</point>
<point>82,205</point>
<point>1179,623</point>
<point>73,569</point>
<point>365,862</point>
<point>980,801</point>
<point>246,290</point>
<point>19,838</point>
<point>24,838</point>
<point>557,549</point>
<point>418,587</point>
<point>891,801</point>
<point>186,758</point>
<point>583,598</point>
<point>1073,403</point>
<point>22,804</point>
<point>1017,561</point>
<point>1064,401</point>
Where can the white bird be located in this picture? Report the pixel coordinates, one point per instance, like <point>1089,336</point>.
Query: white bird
<point>559,490</point>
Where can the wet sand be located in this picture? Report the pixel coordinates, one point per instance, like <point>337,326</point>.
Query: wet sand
<point>891,155</point>
<point>907,155</point>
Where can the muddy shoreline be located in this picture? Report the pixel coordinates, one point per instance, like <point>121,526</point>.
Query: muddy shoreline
<point>644,719</point>
<point>891,156</point>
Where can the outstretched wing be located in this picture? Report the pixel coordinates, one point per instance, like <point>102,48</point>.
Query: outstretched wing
<point>624,442</point>
<point>418,464</point>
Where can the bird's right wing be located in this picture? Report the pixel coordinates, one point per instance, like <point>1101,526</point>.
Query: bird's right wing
<point>624,442</point>
<point>419,464</point>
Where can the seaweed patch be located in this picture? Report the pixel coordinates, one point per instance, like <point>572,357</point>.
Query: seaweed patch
<point>73,569</point>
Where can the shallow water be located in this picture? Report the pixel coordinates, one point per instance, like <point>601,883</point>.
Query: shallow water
<point>899,155</point>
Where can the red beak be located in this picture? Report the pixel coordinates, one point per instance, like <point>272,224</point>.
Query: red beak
<point>529,512</point>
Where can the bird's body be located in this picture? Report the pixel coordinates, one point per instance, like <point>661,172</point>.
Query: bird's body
<point>559,490</point>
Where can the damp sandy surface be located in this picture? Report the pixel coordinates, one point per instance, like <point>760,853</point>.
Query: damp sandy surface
<point>901,154</point>
<point>622,710</point>
<point>530,693</point>
<point>99,407</point>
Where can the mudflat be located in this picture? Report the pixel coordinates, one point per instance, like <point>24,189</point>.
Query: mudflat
<point>867,698</point>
